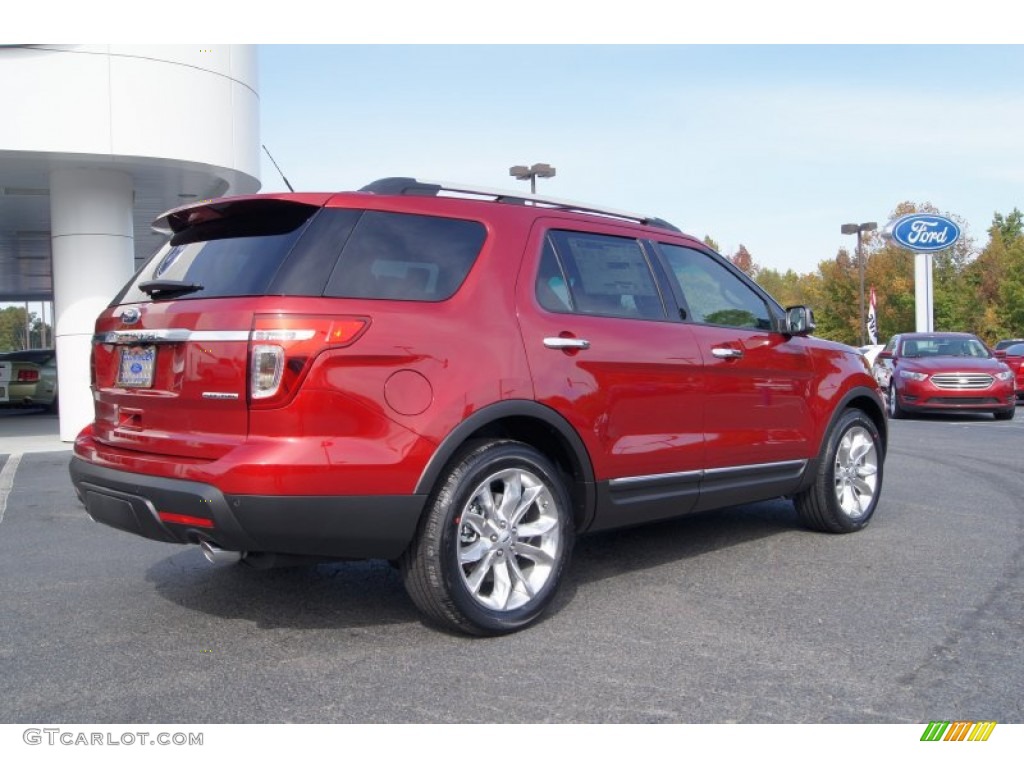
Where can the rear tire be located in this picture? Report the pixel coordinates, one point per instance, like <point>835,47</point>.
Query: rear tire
<point>494,541</point>
<point>848,481</point>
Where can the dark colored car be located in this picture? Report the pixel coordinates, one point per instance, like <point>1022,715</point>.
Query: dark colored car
<point>1014,359</point>
<point>935,372</point>
<point>1004,343</point>
<point>28,378</point>
<point>459,381</point>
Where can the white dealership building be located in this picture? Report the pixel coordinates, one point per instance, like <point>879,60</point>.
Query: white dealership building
<point>95,142</point>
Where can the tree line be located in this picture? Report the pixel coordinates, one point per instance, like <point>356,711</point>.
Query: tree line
<point>980,292</point>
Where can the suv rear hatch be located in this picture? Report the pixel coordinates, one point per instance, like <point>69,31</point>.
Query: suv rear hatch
<point>171,354</point>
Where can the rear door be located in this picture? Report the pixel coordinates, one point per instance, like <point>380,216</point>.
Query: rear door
<point>605,354</point>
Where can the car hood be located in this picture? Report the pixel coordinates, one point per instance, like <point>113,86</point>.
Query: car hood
<point>942,364</point>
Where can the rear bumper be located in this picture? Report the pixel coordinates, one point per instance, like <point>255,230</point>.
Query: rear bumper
<point>187,512</point>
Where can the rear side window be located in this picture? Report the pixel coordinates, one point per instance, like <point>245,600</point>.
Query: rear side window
<point>595,274</point>
<point>406,256</point>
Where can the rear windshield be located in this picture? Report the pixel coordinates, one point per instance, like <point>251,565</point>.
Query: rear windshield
<point>337,252</point>
<point>236,255</point>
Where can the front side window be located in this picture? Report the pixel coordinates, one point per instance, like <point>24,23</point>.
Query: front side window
<point>597,275</point>
<point>713,294</point>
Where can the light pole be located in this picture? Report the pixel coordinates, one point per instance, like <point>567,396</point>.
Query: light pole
<point>535,171</point>
<point>857,229</point>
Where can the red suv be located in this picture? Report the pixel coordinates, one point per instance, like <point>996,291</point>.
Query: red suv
<point>459,380</point>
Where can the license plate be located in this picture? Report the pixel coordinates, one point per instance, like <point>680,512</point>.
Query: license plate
<point>136,369</point>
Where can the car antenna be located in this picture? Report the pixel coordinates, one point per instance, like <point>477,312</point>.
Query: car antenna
<point>290,188</point>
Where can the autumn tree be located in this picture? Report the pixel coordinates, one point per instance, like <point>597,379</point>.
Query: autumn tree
<point>744,261</point>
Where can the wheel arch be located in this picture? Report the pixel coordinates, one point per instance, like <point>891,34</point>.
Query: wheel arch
<point>864,399</point>
<point>871,404</point>
<point>535,425</point>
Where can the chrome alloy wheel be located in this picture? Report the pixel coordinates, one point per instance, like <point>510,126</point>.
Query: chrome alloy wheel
<point>856,472</point>
<point>509,539</point>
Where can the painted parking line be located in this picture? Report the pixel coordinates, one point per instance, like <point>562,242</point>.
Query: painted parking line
<point>7,480</point>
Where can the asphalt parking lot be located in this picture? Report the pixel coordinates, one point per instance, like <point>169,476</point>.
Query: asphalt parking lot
<point>740,616</point>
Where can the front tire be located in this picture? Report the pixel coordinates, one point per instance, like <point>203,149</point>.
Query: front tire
<point>1005,415</point>
<point>494,541</point>
<point>895,409</point>
<point>849,477</point>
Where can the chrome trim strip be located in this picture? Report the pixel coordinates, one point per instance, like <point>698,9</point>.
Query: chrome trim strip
<point>218,336</point>
<point>701,473</point>
<point>743,469</point>
<point>167,336</point>
<point>220,395</point>
<point>691,475</point>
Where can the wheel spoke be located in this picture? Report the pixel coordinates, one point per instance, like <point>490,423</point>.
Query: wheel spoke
<point>863,487</point>
<point>472,553</point>
<point>537,527</point>
<point>477,522</point>
<point>529,496</point>
<point>511,495</point>
<point>476,577</point>
<point>520,578</point>
<point>502,591</point>
<point>851,501</point>
<point>536,554</point>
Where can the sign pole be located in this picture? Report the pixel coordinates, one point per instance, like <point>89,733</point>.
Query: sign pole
<point>923,293</point>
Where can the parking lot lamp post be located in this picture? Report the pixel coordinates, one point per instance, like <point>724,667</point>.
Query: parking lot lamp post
<point>857,229</point>
<point>535,171</point>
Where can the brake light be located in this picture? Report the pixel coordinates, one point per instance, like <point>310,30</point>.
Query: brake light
<point>27,374</point>
<point>282,349</point>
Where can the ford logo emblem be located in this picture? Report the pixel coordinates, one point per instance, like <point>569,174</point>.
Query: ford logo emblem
<point>131,316</point>
<point>924,233</point>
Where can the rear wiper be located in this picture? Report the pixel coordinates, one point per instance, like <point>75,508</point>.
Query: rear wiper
<point>163,288</point>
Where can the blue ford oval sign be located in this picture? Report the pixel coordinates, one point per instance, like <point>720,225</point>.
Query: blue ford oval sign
<point>924,233</point>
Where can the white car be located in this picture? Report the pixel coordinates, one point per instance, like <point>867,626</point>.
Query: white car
<point>871,351</point>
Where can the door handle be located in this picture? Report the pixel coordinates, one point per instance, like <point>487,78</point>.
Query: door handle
<point>727,353</point>
<point>560,342</point>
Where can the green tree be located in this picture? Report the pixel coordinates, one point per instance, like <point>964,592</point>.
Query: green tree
<point>12,328</point>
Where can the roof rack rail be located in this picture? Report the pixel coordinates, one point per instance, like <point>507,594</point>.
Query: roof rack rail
<point>403,185</point>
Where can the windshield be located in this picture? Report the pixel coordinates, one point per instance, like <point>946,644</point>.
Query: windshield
<point>944,346</point>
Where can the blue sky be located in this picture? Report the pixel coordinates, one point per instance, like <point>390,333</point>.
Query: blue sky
<point>769,146</point>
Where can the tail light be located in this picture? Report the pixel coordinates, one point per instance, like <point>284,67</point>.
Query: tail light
<point>282,349</point>
<point>28,374</point>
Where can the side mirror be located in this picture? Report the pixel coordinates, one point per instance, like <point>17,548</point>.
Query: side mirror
<point>799,321</point>
<point>884,355</point>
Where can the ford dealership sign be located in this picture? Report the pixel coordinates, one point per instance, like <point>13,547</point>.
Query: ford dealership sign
<point>924,233</point>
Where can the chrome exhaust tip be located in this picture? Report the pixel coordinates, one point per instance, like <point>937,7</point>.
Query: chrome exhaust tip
<point>218,556</point>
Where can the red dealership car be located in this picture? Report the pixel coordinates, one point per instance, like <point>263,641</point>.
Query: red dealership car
<point>1014,359</point>
<point>943,372</point>
<point>458,380</point>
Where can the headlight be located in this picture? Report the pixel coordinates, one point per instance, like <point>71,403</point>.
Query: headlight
<point>1006,375</point>
<point>913,375</point>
